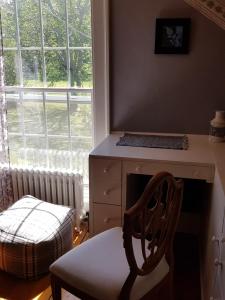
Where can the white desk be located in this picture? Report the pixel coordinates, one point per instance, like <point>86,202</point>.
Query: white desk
<point>110,164</point>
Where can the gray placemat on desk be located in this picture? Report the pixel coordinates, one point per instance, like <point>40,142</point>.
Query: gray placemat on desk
<point>154,141</point>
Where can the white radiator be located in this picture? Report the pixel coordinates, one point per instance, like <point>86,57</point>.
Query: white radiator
<point>54,187</point>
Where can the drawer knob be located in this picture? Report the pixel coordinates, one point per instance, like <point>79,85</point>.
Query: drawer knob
<point>218,263</point>
<point>196,173</point>
<point>105,170</point>
<point>138,169</point>
<point>106,220</point>
<point>215,239</point>
<point>106,193</point>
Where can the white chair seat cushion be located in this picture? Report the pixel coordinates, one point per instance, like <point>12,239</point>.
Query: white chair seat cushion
<point>99,267</point>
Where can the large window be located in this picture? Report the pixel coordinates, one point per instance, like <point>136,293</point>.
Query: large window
<point>48,76</point>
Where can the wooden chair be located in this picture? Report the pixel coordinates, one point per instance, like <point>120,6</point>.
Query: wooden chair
<point>101,269</point>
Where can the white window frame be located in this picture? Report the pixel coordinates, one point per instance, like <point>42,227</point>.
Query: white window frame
<point>100,46</point>
<point>44,90</point>
<point>100,57</point>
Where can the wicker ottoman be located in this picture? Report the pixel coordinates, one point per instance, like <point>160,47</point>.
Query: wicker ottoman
<point>33,234</point>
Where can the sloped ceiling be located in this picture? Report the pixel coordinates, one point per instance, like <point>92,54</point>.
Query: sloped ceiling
<point>212,9</point>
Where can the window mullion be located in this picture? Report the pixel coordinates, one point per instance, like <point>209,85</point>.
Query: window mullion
<point>21,118</point>
<point>67,45</point>
<point>44,81</point>
<point>45,126</point>
<point>69,126</point>
<point>20,74</point>
<point>42,45</point>
<point>18,45</point>
<point>68,80</point>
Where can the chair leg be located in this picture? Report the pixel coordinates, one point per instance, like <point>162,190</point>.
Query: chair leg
<point>56,289</point>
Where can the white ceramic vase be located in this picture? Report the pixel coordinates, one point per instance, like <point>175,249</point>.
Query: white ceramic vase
<point>217,127</point>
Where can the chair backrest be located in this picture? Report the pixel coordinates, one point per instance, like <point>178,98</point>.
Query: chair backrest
<point>153,220</point>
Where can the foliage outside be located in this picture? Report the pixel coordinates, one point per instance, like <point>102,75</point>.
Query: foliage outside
<point>40,56</point>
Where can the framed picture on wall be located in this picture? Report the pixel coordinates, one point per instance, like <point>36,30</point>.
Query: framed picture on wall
<point>172,36</point>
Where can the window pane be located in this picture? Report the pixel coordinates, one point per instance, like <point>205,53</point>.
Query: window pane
<point>32,68</point>
<point>56,68</point>
<point>81,68</point>
<point>80,118</point>
<point>45,128</point>
<point>54,23</point>
<point>8,24</point>
<point>79,159</point>
<point>16,143</point>
<point>11,63</point>
<point>59,143</point>
<point>59,159</point>
<point>29,23</point>
<point>33,113</point>
<point>57,114</point>
<point>79,19</point>
<point>35,143</point>
<point>82,143</point>
<point>13,113</point>
<point>33,153</point>
<point>25,114</point>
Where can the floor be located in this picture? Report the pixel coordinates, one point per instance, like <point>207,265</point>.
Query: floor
<point>12,288</point>
<point>187,282</point>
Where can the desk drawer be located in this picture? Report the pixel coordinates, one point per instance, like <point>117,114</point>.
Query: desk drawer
<point>105,181</point>
<point>178,170</point>
<point>105,217</point>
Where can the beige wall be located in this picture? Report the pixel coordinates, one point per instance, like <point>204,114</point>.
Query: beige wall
<point>163,93</point>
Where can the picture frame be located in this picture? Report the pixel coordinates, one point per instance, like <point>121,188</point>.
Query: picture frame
<point>172,35</point>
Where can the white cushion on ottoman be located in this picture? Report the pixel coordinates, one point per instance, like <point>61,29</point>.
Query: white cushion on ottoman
<point>34,233</point>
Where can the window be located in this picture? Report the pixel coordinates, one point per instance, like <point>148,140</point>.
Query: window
<point>55,116</point>
<point>49,82</point>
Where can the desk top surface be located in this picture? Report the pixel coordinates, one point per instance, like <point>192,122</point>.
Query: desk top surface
<point>199,151</point>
